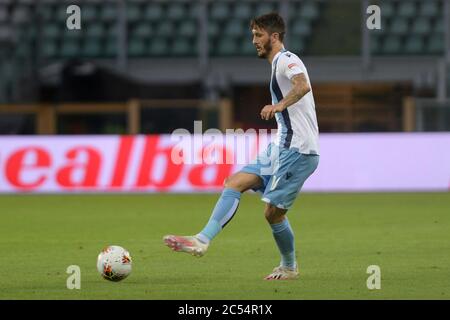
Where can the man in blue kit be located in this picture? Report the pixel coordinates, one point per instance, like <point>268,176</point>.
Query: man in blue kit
<point>292,157</point>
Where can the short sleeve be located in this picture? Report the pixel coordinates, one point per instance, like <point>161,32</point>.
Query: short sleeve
<point>290,65</point>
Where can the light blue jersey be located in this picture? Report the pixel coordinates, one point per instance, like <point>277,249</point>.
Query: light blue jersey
<point>294,155</point>
<point>297,124</point>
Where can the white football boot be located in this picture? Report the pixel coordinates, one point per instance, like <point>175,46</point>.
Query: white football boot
<point>283,273</point>
<point>188,244</point>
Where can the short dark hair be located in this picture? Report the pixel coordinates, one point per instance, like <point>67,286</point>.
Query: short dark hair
<point>271,22</point>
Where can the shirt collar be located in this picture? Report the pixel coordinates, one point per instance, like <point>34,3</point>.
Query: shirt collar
<point>277,55</point>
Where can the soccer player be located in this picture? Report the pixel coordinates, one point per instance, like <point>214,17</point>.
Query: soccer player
<point>293,155</point>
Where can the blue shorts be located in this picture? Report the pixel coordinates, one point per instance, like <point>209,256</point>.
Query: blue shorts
<point>283,172</point>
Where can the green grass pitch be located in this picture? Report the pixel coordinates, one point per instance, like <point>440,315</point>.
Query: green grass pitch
<point>337,237</point>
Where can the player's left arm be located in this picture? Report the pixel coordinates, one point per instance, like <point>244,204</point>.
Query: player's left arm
<point>300,87</point>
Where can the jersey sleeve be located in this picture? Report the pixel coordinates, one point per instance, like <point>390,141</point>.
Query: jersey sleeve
<point>291,65</point>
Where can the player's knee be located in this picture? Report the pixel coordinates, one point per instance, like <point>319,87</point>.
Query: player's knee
<point>228,182</point>
<point>273,214</point>
<point>231,183</point>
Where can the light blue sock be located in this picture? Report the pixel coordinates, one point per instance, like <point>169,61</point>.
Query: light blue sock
<point>223,212</point>
<point>284,237</point>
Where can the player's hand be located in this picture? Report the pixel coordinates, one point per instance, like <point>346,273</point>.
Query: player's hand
<point>268,112</point>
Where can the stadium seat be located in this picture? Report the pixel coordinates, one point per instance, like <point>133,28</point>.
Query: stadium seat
<point>46,13</point>
<point>91,49</point>
<point>69,49</point>
<point>133,12</point>
<point>438,26</point>
<point>264,7</point>
<point>3,14</point>
<point>387,9</point>
<point>20,15</point>
<point>49,49</point>
<point>309,10</point>
<point>429,8</point>
<point>399,26</point>
<point>22,50</point>
<point>165,29</point>
<point>375,47</point>
<point>6,34</point>
<point>112,31</point>
<point>219,11</point>
<point>242,11</point>
<point>136,47</point>
<point>233,28</point>
<point>182,47</point>
<point>421,26</point>
<point>142,30</point>
<point>436,44</point>
<point>110,48</point>
<point>213,29</point>
<point>227,47</point>
<point>109,13</point>
<point>153,12</point>
<point>247,47</point>
<point>414,45</point>
<point>302,28</point>
<point>391,45</point>
<point>158,47</point>
<point>95,30</point>
<point>60,13</point>
<point>176,11</point>
<point>187,28</point>
<point>407,9</point>
<point>294,10</point>
<point>297,45</point>
<point>71,34</point>
<point>88,13</point>
<point>194,11</point>
<point>51,31</point>
<point>22,34</point>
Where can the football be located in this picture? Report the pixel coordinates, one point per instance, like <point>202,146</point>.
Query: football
<point>114,263</point>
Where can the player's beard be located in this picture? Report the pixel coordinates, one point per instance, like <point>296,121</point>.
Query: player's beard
<point>267,47</point>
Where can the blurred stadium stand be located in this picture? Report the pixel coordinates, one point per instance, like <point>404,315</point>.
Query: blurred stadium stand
<point>201,50</point>
<point>154,29</point>
<point>410,28</point>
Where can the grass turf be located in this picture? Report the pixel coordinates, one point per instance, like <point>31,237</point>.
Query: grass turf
<point>337,236</point>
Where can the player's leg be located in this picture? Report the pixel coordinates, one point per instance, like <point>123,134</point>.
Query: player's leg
<point>284,238</point>
<point>281,191</point>
<point>223,212</point>
<point>228,203</point>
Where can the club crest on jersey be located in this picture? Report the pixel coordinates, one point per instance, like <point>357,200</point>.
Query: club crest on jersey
<point>292,65</point>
